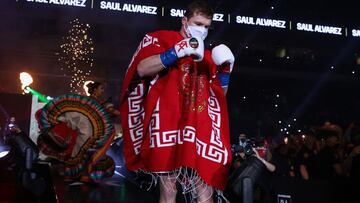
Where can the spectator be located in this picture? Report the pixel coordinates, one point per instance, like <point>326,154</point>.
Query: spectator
<point>327,163</point>
<point>305,156</point>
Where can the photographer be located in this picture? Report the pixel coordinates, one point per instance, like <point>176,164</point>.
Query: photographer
<point>247,148</point>
<point>238,151</point>
<point>249,163</point>
<point>269,166</point>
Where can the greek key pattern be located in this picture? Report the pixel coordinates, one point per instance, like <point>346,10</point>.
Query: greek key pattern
<point>147,40</point>
<point>213,151</point>
<point>215,115</point>
<point>154,124</point>
<point>136,117</point>
<point>172,137</point>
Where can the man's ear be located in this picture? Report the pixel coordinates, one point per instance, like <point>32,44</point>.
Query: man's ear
<point>183,20</point>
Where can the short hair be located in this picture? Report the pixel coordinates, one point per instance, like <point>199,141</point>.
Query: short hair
<point>199,7</point>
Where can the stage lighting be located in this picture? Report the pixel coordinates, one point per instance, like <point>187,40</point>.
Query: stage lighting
<point>4,151</point>
<point>24,155</point>
<point>25,149</point>
<point>244,178</point>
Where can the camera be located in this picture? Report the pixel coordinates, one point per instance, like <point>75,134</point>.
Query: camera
<point>245,146</point>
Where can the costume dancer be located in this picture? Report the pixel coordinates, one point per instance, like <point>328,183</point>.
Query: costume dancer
<point>77,131</point>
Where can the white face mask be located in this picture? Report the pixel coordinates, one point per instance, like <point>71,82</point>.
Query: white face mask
<point>196,31</point>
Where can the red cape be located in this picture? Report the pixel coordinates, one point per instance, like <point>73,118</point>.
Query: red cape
<point>178,118</point>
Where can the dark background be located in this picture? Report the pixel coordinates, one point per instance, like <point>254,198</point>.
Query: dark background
<point>309,90</point>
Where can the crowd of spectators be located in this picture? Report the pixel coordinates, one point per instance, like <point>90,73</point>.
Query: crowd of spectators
<point>326,153</point>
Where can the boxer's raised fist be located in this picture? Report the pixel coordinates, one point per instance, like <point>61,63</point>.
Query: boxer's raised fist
<point>221,55</point>
<point>224,58</point>
<point>193,46</point>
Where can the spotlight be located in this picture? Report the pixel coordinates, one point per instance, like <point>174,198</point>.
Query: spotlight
<point>6,158</point>
<point>18,162</point>
<point>4,152</point>
<point>25,149</point>
<point>244,178</point>
<point>24,155</point>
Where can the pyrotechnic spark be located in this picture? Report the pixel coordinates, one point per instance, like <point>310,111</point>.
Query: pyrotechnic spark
<point>76,54</point>
<point>26,80</point>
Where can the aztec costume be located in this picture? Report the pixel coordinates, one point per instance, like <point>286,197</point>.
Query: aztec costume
<point>177,119</point>
<point>77,131</point>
